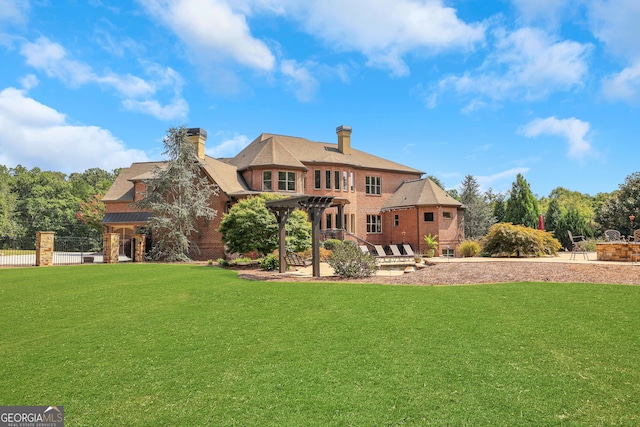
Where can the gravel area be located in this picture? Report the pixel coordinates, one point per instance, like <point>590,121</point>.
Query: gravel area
<point>458,273</point>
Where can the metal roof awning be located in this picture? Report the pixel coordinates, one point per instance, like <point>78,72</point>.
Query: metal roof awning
<point>126,217</point>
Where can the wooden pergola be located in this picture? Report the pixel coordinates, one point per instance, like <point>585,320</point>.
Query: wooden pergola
<point>314,206</point>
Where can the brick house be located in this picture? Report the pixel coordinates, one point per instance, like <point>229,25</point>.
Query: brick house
<point>379,201</point>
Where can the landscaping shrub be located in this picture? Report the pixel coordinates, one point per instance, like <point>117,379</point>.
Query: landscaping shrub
<point>330,244</point>
<point>469,248</point>
<point>350,262</point>
<point>506,239</point>
<point>325,254</point>
<point>270,263</point>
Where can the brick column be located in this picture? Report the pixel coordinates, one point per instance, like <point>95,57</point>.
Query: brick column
<point>139,245</point>
<point>44,248</point>
<point>110,247</point>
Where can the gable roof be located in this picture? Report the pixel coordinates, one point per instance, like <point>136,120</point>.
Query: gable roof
<point>122,189</point>
<point>223,174</point>
<point>294,152</point>
<point>420,192</point>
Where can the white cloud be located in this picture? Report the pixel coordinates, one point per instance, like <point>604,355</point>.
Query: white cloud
<point>33,134</point>
<point>547,12</point>
<point>572,129</point>
<point>14,11</point>
<point>29,82</point>
<point>212,29</point>
<point>527,63</point>
<point>503,178</point>
<point>615,22</point>
<point>300,78</point>
<point>139,94</point>
<point>624,85</point>
<point>387,30</point>
<point>230,145</point>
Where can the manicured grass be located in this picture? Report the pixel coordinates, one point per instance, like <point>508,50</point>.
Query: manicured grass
<point>184,345</point>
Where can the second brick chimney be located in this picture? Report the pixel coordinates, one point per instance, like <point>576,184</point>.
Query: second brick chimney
<point>198,137</point>
<point>344,139</point>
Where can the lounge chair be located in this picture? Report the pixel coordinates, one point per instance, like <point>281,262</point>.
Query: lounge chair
<point>394,250</point>
<point>380,251</point>
<point>408,250</point>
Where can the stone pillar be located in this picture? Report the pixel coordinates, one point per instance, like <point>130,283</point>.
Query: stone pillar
<point>44,248</point>
<point>110,247</point>
<point>139,245</point>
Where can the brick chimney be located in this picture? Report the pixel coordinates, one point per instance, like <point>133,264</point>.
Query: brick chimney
<point>197,137</point>
<point>344,139</point>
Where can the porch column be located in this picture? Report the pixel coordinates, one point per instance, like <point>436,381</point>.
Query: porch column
<point>340,217</point>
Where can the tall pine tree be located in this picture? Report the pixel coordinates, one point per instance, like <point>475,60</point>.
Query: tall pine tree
<point>522,205</point>
<point>477,215</point>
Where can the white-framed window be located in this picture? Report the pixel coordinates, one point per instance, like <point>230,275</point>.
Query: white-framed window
<point>373,185</point>
<point>336,181</point>
<point>327,180</point>
<point>286,181</point>
<point>329,219</point>
<point>428,217</point>
<point>352,182</point>
<point>396,220</point>
<point>447,215</point>
<point>317,181</point>
<point>267,183</point>
<point>345,181</point>
<point>374,224</point>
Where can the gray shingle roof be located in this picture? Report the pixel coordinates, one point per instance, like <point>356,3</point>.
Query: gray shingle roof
<point>420,192</point>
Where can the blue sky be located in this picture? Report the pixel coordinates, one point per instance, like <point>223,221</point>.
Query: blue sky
<point>546,88</point>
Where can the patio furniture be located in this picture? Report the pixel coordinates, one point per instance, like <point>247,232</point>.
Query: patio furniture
<point>295,260</point>
<point>394,250</point>
<point>635,247</point>
<point>612,236</point>
<point>635,237</point>
<point>409,251</point>
<point>579,244</point>
<point>380,251</point>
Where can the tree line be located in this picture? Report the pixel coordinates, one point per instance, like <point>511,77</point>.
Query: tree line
<point>563,210</point>
<point>34,200</point>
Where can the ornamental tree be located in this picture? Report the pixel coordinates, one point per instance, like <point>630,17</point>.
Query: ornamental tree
<point>249,226</point>
<point>178,197</point>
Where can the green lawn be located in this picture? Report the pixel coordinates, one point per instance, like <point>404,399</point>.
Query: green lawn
<point>184,345</point>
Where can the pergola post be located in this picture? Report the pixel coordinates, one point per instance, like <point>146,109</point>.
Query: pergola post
<point>315,215</point>
<point>282,214</point>
<point>314,206</point>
